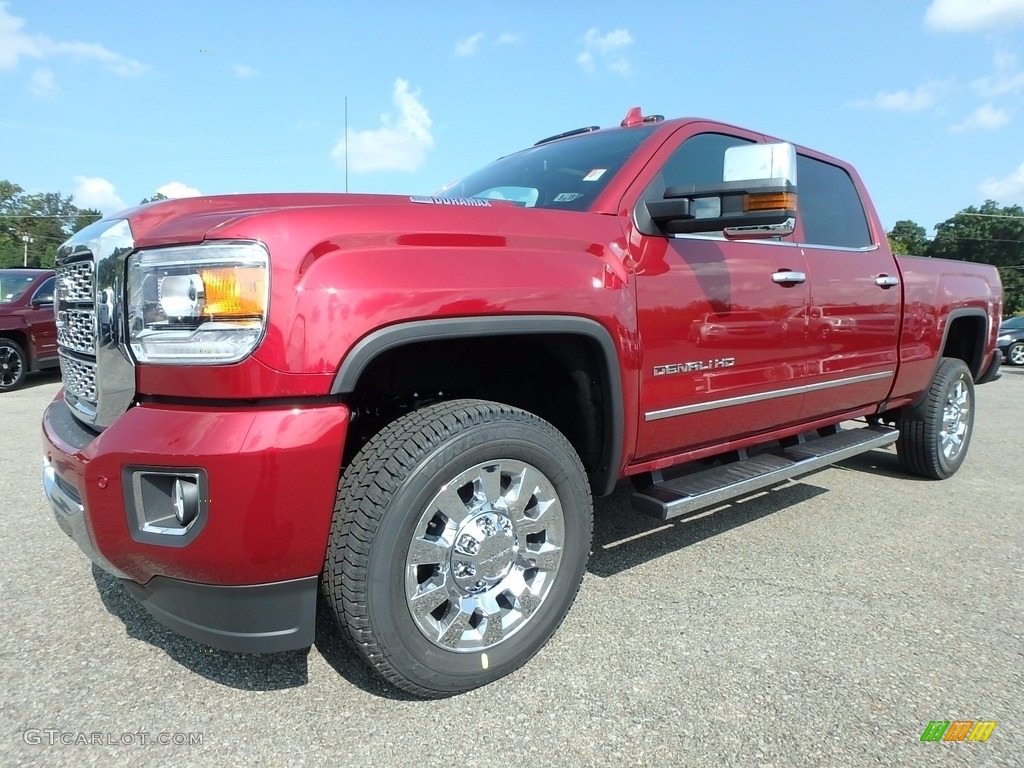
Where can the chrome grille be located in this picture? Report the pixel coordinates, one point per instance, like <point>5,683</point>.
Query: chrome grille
<point>75,282</point>
<point>79,377</point>
<point>99,376</point>
<point>76,330</point>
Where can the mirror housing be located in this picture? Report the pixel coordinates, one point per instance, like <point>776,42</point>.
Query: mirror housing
<point>756,199</point>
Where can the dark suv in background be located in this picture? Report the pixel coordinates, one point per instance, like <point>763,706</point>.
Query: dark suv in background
<point>28,330</point>
<point>1011,340</point>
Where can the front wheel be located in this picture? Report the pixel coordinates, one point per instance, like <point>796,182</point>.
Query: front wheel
<point>1015,353</point>
<point>935,435</point>
<point>12,365</point>
<point>460,537</point>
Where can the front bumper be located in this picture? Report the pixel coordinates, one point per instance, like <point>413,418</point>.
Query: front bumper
<point>247,581</point>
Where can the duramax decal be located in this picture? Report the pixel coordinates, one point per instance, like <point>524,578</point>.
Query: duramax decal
<point>471,202</point>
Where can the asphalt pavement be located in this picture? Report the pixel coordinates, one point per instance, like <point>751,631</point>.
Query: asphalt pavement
<point>823,623</point>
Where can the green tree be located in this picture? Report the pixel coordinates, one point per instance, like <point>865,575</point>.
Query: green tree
<point>907,237</point>
<point>46,218</point>
<point>154,198</point>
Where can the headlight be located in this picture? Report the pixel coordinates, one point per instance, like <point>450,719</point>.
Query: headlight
<point>1004,337</point>
<point>193,304</point>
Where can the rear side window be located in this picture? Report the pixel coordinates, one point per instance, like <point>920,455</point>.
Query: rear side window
<point>830,208</point>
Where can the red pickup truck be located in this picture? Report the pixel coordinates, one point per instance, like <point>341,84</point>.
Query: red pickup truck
<point>28,334</point>
<point>409,402</point>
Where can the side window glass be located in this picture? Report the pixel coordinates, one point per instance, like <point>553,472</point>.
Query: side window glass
<point>700,160</point>
<point>44,293</point>
<point>831,211</point>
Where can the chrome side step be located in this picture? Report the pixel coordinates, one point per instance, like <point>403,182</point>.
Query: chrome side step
<point>709,487</point>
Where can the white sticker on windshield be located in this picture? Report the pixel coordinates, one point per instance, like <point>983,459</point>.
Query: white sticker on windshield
<point>567,197</point>
<point>595,174</point>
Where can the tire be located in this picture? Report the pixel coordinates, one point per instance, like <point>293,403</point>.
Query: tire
<point>12,365</point>
<point>934,436</point>
<point>1015,353</point>
<point>440,569</point>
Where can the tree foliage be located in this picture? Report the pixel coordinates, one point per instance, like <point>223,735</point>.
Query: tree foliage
<point>989,234</point>
<point>47,218</point>
<point>908,238</point>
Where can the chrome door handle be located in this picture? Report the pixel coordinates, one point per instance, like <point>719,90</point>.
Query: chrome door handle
<point>787,276</point>
<point>886,281</point>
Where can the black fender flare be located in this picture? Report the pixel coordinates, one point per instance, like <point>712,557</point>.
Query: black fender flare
<point>401,334</point>
<point>955,315</point>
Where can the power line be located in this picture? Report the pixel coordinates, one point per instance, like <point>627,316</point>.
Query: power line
<point>989,215</point>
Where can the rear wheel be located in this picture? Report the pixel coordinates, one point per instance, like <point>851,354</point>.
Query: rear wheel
<point>12,365</point>
<point>934,437</point>
<point>1015,353</point>
<point>460,538</point>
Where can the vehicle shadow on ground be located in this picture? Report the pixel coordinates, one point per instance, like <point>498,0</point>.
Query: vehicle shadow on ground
<point>245,671</point>
<point>880,463</point>
<point>624,539</point>
<point>39,379</point>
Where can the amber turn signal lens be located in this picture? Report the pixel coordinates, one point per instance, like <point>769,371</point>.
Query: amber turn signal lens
<point>234,291</point>
<point>770,201</point>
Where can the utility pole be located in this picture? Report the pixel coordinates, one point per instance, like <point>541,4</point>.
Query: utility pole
<point>26,240</point>
<point>346,143</point>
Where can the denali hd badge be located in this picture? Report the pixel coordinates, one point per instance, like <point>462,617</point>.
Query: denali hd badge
<point>696,365</point>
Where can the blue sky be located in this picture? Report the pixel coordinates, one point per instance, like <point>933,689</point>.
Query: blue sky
<point>112,101</point>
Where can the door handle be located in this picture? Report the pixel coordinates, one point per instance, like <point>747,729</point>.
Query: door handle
<point>785,276</point>
<point>886,281</point>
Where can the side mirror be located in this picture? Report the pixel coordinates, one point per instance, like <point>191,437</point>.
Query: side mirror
<point>42,301</point>
<point>756,198</point>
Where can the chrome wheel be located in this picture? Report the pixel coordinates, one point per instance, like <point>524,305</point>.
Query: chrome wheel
<point>955,420</point>
<point>484,555</point>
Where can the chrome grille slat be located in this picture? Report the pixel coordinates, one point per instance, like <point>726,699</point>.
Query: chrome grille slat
<point>76,330</point>
<point>75,282</point>
<point>79,377</point>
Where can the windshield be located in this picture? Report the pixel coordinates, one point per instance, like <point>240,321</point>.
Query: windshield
<point>13,285</point>
<point>1013,324</point>
<point>564,175</point>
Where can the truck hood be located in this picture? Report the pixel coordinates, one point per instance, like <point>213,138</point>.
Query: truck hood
<point>193,219</point>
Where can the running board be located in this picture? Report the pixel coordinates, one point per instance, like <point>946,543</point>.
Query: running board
<point>710,487</point>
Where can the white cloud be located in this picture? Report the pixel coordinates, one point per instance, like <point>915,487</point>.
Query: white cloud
<point>508,38</point>
<point>973,15</point>
<point>608,50</point>
<point>176,189</point>
<point>985,118</point>
<point>904,101</point>
<point>398,145</point>
<point>42,84</point>
<point>242,71</point>
<point>15,44</point>
<point>98,193</point>
<point>470,45</point>
<point>1006,78</point>
<point>1006,191</point>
